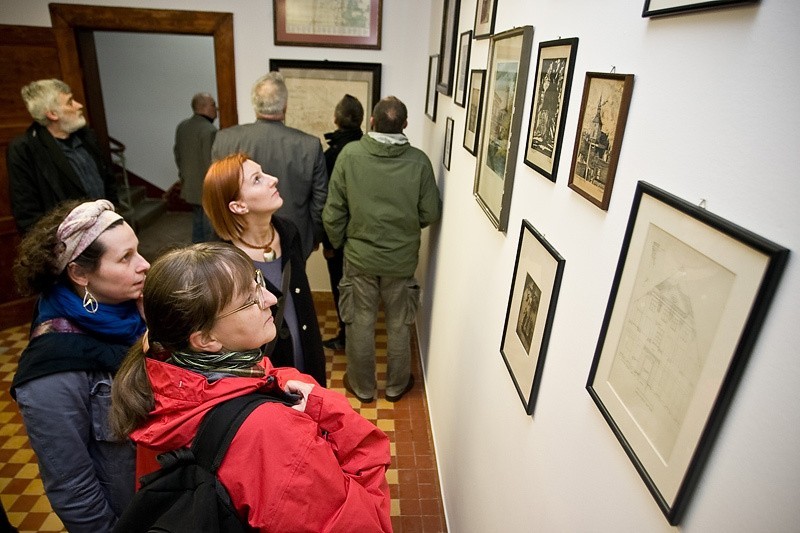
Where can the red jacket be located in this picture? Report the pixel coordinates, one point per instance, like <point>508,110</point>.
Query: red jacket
<point>286,471</point>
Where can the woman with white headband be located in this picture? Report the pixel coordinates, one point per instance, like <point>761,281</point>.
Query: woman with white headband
<point>83,261</point>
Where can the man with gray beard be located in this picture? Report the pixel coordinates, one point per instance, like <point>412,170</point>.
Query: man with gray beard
<point>57,158</point>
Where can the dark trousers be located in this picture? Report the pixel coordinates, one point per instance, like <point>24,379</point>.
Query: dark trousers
<point>335,260</point>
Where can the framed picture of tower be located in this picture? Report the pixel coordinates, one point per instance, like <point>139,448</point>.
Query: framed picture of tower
<point>601,124</point>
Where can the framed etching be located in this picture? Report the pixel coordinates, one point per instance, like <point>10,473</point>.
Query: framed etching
<point>484,18</point>
<point>328,23</point>
<point>447,47</point>
<point>473,126</point>
<point>506,78</point>
<point>430,93</point>
<point>601,123</point>
<point>531,308</point>
<point>448,142</point>
<point>654,8</point>
<point>553,80</point>
<point>315,87</point>
<point>464,47</point>
<point>689,297</point>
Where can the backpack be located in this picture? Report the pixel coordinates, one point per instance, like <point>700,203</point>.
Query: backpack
<point>185,495</point>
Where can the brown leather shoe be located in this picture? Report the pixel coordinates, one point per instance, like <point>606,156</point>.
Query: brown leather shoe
<point>349,389</point>
<point>403,392</point>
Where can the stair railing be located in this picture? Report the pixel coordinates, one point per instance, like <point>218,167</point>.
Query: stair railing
<point>118,157</point>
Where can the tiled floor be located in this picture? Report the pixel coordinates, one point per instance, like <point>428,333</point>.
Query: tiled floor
<point>413,478</point>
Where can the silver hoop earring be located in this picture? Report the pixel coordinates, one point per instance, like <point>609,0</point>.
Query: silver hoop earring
<point>89,302</point>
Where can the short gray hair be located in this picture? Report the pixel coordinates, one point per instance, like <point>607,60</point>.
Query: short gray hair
<point>269,94</point>
<point>41,96</point>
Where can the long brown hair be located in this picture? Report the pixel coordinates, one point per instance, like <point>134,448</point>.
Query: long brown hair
<point>221,186</point>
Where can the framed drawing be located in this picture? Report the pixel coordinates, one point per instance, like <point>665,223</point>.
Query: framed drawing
<point>601,123</point>
<point>484,18</point>
<point>554,69</point>
<point>315,87</point>
<point>506,78</point>
<point>464,47</point>
<point>654,8</point>
<point>352,24</point>
<point>448,142</point>
<point>430,93</point>
<point>473,126</point>
<point>447,47</point>
<point>689,296</point>
<point>531,308</point>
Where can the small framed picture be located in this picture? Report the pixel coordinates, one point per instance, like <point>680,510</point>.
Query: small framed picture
<point>484,18</point>
<point>472,128</point>
<point>554,69</point>
<point>688,299</point>
<point>601,124</point>
<point>431,93</point>
<point>655,8</point>
<point>448,142</point>
<point>531,309</point>
<point>447,47</point>
<point>464,47</point>
<point>355,24</point>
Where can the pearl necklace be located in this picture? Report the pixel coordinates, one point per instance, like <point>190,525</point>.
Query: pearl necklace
<point>269,253</point>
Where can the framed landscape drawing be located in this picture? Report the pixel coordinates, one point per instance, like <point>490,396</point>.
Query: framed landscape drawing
<point>484,18</point>
<point>448,142</point>
<point>688,299</point>
<point>654,8</point>
<point>506,78</point>
<point>473,126</point>
<point>329,23</point>
<point>430,93</point>
<point>554,69</point>
<point>531,308</point>
<point>464,47</point>
<point>601,123</point>
<point>315,87</point>
<point>447,47</point>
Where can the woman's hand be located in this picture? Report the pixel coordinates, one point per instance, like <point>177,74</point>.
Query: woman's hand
<point>302,388</point>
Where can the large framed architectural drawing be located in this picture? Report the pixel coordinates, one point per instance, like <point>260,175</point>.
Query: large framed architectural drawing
<point>689,297</point>
<point>315,87</point>
<point>329,23</point>
<point>531,309</point>
<point>506,79</point>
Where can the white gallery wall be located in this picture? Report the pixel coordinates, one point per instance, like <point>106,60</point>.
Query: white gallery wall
<point>712,118</point>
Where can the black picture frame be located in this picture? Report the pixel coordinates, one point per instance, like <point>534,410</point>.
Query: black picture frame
<point>431,94</point>
<point>689,297</point>
<point>555,66</point>
<point>485,12</point>
<point>464,51</point>
<point>472,126</point>
<point>658,8</point>
<point>532,300</point>
<point>447,153</point>
<point>447,47</point>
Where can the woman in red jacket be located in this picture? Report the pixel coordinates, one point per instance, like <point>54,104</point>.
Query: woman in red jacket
<point>316,466</point>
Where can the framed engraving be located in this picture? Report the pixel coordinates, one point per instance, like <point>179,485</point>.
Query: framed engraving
<point>448,142</point>
<point>472,128</point>
<point>328,23</point>
<point>531,309</point>
<point>464,47</point>
<point>689,297</point>
<point>431,93</point>
<point>506,78</point>
<point>601,124</point>
<point>655,8</point>
<point>484,18</point>
<point>315,87</point>
<point>447,47</point>
<point>554,69</point>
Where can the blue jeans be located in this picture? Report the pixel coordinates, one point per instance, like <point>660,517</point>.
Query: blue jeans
<point>201,226</point>
<point>359,297</point>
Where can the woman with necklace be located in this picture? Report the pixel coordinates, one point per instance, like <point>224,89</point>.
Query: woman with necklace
<point>241,201</point>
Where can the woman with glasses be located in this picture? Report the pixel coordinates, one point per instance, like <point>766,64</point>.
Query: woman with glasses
<point>240,201</point>
<point>314,466</point>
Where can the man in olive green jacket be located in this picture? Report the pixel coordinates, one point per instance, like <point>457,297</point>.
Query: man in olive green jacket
<point>381,194</point>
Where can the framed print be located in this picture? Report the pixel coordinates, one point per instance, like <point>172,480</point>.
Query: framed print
<point>655,8</point>
<point>473,126</point>
<point>554,69</point>
<point>448,142</point>
<point>315,87</point>
<point>431,94</point>
<point>447,47</point>
<point>601,123</point>
<point>484,18</point>
<point>531,308</point>
<point>689,297</point>
<point>506,78</point>
<point>464,47</point>
<point>328,23</point>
